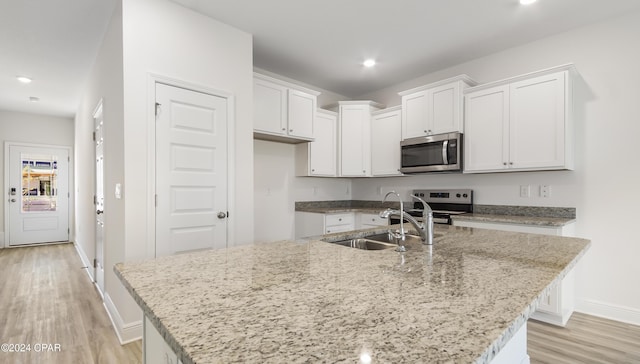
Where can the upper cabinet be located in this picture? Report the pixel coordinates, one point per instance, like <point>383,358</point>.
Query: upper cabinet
<point>436,108</point>
<point>520,124</point>
<point>282,111</point>
<point>385,142</point>
<point>354,132</point>
<point>319,158</point>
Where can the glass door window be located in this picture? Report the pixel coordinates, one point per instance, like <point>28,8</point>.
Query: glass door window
<point>39,183</point>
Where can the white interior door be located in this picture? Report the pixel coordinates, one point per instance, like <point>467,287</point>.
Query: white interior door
<point>191,170</point>
<point>38,194</point>
<point>99,198</point>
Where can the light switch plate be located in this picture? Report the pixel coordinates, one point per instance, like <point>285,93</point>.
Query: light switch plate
<point>118,191</point>
<point>525,191</point>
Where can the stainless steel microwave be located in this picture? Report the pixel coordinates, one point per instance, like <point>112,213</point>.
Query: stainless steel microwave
<point>435,153</point>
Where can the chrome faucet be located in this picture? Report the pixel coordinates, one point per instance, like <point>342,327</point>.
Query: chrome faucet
<point>425,229</point>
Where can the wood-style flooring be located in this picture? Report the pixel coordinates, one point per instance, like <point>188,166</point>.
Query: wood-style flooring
<point>586,339</point>
<point>46,297</point>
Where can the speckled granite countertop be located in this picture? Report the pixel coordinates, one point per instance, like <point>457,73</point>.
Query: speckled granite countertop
<point>511,219</point>
<point>458,301</point>
<point>335,210</point>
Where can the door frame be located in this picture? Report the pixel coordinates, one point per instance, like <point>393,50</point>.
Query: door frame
<point>152,80</point>
<point>7,144</point>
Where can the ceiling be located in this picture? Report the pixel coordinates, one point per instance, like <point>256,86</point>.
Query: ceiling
<point>322,43</point>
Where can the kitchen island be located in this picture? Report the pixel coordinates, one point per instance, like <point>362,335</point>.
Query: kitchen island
<point>461,300</point>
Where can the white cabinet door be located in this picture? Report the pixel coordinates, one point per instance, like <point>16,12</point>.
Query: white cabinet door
<point>486,136</point>
<point>155,349</point>
<point>302,108</point>
<point>414,115</point>
<point>444,109</point>
<point>355,152</point>
<point>385,143</point>
<point>323,150</point>
<point>269,107</point>
<point>523,124</point>
<point>537,122</point>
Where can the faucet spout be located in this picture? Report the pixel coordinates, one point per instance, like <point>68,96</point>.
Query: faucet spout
<point>426,228</point>
<point>384,214</point>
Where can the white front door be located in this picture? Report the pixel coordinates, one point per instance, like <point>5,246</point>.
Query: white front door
<point>191,170</point>
<point>38,194</point>
<point>99,198</point>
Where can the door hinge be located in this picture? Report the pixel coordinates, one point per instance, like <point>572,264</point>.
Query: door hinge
<point>94,136</point>
<point>158,110</point>
<point>156,200</point>
<point>68,194</point>
<point>95,200</point>
<point>95,263</point>
<point>69,159</point>
<point>68,231</point>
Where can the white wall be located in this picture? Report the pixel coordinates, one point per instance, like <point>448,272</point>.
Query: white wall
<point>105,83</point>
<point>277,189</point>
<point>32,128</point>
<point>603,185</point>
<point>163,38</point>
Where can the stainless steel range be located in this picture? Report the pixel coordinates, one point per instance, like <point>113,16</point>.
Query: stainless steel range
<point>444,203</point>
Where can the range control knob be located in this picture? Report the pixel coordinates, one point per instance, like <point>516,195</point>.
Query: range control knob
<point>457,195</point>
<point>465,195</point>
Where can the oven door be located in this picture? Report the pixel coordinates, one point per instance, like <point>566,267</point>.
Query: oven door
<point>436,153</point>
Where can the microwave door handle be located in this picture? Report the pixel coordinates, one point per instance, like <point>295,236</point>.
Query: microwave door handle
<point>445,148</point>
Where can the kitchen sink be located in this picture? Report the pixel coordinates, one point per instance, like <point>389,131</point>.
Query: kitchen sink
<point>379,241</point>
<point>366,244</point>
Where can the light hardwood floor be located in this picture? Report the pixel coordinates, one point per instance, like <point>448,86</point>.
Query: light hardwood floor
<point>585,339</point>
<point>47,297</point>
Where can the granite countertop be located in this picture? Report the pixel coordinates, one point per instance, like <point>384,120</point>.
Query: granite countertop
<point>513,219</point>
<point>460,300</point>
<point>335,210</point>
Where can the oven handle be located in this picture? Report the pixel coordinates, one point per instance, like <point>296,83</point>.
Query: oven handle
<point>445,148</point>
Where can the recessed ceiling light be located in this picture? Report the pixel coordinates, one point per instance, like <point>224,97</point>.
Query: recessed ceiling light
<point>369,63</point>
<point>34,99</point>
<point>527,2</point>
<point>23,79</point>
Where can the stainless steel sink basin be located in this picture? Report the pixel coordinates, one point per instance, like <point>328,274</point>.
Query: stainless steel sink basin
<point>380,241</point>
<point>366,244</point>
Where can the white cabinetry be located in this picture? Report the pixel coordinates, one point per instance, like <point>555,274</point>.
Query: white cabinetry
<point>558,305</point>
<point>386,134</point>
<point>355,137</point>
<point>315,224</point>
<point>435,108</point>
<point>319,158</point>
<point>155,350</point>
<point>520,124</point>
<point>282,111</point>
<point>365,220</point>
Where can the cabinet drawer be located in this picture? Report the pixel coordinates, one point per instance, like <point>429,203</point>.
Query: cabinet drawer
<point>339,219</point>
<point>373,220</point>
<point>339,228</point>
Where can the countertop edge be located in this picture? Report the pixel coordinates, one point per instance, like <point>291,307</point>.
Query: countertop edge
<point>508,334</point>
<point>157,323</point>
<point>516,220</point>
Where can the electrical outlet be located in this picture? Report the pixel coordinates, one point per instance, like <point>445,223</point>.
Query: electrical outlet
<point>525,191</point>
<point>545,191</point>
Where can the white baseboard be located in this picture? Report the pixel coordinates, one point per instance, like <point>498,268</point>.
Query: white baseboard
<point>85,261</point>
<point>126,332</point>
<point>608,311</point>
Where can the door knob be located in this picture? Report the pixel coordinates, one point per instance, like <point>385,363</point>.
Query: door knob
<point>221,215</point>
<point>13,200</point>
<point>99,212</point>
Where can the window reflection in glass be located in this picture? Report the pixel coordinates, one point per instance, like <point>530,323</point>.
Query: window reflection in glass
<point>39,183</point>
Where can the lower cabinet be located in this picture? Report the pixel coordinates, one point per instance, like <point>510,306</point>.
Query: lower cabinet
<point>557,306</point>
<point>315,224</point>
<point>154,349</point>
